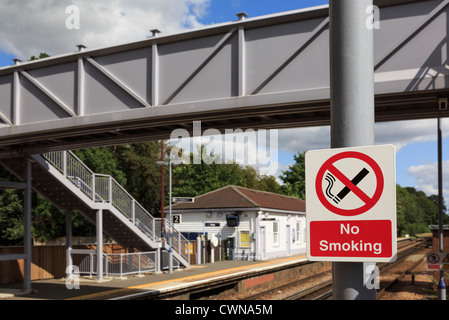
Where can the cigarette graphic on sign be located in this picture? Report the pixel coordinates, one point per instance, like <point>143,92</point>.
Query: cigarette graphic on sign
<point>345,191</point>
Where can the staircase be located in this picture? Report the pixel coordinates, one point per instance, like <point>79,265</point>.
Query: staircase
<point>64,180</point>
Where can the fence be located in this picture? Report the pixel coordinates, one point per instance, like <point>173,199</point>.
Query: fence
<point>118,264</point>
<point>48,262</point>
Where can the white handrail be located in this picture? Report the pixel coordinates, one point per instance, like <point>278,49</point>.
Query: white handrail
<point>104,188</point>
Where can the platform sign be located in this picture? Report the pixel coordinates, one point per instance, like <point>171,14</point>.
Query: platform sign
<point>351,204</point>
<point>183,199</point>
<point>437,260</point>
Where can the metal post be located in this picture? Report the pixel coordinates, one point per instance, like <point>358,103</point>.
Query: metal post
<point>64,163</point>
<point>158,263</point>
<point>219,246</point>
<point>352,111</point>
<point>170,250</point>
<point>106,265</point>
<point>161,267</point>
<point>198,250</point>
<point>27,231</point>
<point>81,82</point>
<point>99,244</point>
<point>162,191</point>
<point>16,103</point>
<point>110,190</point>
<point>204,247</point>
<point>441,284</point>
<point>68,235</point>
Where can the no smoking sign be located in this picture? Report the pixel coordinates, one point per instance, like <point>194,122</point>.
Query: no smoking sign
<point>351,204</point>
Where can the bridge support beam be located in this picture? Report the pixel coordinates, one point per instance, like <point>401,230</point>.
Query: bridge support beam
<point>69,243</point>
<point>27,230</point>
<point>352,111</point>
<point>99,244</point>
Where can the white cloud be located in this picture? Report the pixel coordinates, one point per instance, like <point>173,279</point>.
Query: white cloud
<point>30,27</point>
<point>400,134</point>
<point>304,139</point>
<point>257,148</point>
<point>426,176</point>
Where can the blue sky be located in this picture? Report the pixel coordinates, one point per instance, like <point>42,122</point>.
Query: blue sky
<point>6,59</point>
<point>225,10</point>
<point>101,26</point>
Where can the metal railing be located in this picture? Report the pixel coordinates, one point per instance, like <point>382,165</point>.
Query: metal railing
<point>130,263</point>
<point>118,264</point>
<point>104,188</point>
<point>85,260</point>
<point>179,243</point>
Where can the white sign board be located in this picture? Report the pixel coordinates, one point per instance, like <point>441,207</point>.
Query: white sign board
<point>183,199</point>
<point>437,261</point>
<point>351,204</point>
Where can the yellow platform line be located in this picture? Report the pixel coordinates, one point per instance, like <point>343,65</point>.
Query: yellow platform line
<point>209,274</point>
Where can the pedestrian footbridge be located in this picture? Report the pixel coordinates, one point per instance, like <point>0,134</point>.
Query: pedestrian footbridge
<point>268,72</point>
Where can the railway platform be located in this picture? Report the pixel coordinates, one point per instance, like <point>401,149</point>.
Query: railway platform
<point>178,285</point>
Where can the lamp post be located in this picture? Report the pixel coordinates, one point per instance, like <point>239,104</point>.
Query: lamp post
<point>169,163</point>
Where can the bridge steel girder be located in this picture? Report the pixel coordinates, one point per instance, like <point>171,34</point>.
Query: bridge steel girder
<point>262,73</point>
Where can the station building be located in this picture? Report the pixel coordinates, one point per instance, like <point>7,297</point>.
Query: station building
<point>256,224</point>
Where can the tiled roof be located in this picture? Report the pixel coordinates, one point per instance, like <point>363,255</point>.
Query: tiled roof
<point>240,197</point>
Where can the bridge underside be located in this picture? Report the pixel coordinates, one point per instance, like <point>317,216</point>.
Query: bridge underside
<point>268,72</point>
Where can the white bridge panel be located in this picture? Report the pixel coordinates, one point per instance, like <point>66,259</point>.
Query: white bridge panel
<point>102,95</point>
<point>133,68</point>
<point>58,79</point>
<point>6,88</point>
<point>184,61</point>
<point>308,57</point>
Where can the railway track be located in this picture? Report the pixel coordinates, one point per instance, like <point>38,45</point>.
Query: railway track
<point>324,291</point>
<point>319,287</point>
<point>292,287</point>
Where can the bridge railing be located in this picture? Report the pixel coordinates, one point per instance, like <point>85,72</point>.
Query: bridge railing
<point>179,243</point>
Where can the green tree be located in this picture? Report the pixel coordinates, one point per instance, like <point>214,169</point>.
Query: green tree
<point>142,174</point>
<point>415,211</point>
<point>41,56</point>
<point>11,217</point>
<point>294,178</point>
<point>195,179</point>
<point>103,161</point>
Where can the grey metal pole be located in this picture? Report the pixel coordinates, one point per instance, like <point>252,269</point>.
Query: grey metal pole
<point>99,244</point>
<point>441,283</point>
<point>69,244</point>
<point>170,250</point>
<point>352,111</point>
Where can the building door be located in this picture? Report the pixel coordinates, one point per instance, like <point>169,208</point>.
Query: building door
<point>288,239</point>
<point>263,247</point>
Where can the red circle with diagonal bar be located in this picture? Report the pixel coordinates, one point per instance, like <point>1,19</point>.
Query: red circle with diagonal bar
<point>368,201</point>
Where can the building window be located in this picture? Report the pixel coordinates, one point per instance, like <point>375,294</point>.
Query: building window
<point>245,239</point>
<point>275,232</point>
